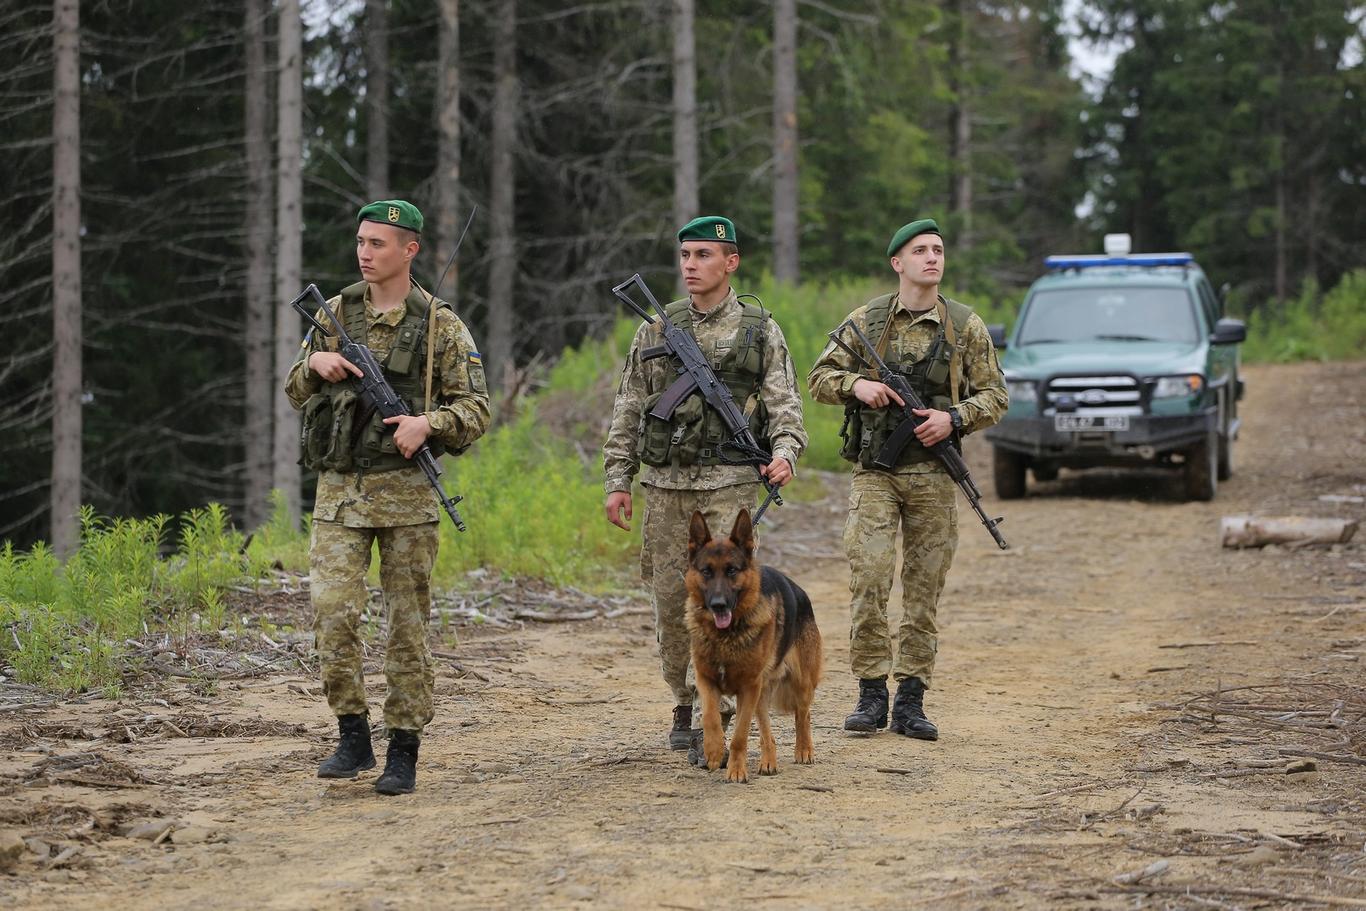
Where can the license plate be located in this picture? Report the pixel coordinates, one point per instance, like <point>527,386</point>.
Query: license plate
<point>1072,423</point>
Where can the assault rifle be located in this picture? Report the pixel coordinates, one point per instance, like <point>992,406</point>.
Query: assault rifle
<point>375,391</point>
<point>944,450</point>
<point>695,375</point>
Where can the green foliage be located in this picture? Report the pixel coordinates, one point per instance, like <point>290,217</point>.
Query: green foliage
<point>279,541</point>
<point>1234,131</point>
<point>66,623</point>
<point>1313,326</point>
<point>534,509</point>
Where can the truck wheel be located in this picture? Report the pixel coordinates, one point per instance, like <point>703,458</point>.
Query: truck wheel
<point>1045,471</point>
<point>1201,471</point>
<point>1008,471</point>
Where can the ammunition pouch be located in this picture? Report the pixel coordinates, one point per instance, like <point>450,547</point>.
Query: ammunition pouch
<point>328,430</point>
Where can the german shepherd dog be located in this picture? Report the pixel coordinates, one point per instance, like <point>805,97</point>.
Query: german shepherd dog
<point>754,637</point>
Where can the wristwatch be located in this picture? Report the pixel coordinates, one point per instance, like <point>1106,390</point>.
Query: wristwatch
<point>956,419</point>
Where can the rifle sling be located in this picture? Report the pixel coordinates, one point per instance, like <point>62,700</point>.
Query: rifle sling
<point>951,334</point>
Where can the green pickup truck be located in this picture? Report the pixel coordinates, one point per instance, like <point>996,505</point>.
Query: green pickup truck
<point>1122,360</point>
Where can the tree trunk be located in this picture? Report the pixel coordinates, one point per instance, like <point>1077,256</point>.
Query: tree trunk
<point>448,147</point>
<point>1280,165</point>
<point>685,113</point>
<point>377,99</point>
<point>502,192</point>
<point>260,379</point>
<point>1280,234</point>
<point>288,250</point>
<point>66,278</point>
<point>960,126</point>
<point>785,141</point>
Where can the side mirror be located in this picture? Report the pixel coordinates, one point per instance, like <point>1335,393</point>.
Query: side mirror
<point>997,331</point>
<point>1229,332</point>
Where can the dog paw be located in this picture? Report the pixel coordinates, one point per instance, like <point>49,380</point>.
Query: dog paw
<point>768,768</point>
<point>805,757</point>
<point>736,773</point>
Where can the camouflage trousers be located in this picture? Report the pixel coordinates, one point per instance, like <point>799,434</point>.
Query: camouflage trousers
<point>925,507</point>
<point>338,560</point>
<point>664,560</point>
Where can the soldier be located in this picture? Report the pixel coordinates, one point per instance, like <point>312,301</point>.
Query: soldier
<point>946,355</point>
<point>683,470</point>
<point>368,489</point>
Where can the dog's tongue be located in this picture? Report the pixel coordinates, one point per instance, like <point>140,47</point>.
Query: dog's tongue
<point>722,619</point>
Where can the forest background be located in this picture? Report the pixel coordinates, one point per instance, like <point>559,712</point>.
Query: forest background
<point>176,173</point>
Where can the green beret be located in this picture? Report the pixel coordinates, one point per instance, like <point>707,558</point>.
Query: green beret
<point>709,227</point>
<point>914,229</point>
<point>397,212</point>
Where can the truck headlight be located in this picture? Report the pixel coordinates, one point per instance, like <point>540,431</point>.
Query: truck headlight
<point>1171,387</point>
<point>1026,392</point>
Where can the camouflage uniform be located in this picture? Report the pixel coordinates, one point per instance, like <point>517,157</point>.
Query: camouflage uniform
<point>399,509</point>
<point>672,493</point>
<point>919,497</point>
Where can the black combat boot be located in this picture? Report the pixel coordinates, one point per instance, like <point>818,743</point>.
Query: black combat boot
<point>400,765</point>
<point>908,711</point>
<point>871,711</point>
<point>680,733</point>
<point>354,753</point>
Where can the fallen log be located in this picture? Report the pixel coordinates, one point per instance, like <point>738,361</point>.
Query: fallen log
<point>1295,531</point>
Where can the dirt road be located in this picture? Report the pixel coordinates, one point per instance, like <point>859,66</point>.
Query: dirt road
<point>1081,740</point>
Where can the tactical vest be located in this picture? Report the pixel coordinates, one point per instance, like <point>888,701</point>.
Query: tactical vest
<point>696,432</point>
<point>341,433</point>
<point>865,430</point>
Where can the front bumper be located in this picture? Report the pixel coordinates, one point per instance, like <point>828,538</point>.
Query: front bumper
<point>1149,438</point>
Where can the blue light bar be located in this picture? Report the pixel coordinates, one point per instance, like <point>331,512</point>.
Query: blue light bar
<point>1087,261</point>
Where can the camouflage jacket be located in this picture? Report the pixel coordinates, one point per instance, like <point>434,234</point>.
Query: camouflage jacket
<point>459,416</point>
<point>639,379</point>
<point>982,388</point>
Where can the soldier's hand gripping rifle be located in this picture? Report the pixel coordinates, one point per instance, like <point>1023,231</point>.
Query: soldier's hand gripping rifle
<point>375,391</point>
<point>944,450</point>
<point>695,375</point>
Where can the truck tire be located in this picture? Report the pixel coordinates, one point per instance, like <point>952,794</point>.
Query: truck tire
<point>1045,471</point>
<point>1201,470</point>
<point>1226,452</point>
<point>1008,471</point>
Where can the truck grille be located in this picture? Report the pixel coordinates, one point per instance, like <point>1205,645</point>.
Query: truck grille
<point>1095,394</point>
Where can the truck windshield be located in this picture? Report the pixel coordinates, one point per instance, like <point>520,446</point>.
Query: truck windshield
<point>1115,314</point>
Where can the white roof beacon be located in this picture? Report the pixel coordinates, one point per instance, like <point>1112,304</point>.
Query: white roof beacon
<point>1118,245</point>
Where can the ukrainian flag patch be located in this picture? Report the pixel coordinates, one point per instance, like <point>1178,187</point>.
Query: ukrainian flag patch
<point>476,359</point>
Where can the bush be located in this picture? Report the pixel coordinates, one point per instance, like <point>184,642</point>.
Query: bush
<point>67,623</point>
<point>534,508</point>
<point>1313,326</point>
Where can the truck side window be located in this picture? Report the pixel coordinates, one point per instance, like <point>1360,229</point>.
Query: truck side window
<point>1209,304</point>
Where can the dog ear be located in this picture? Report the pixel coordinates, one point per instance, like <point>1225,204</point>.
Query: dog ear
<point>698,533</point>
<point>742,533</point>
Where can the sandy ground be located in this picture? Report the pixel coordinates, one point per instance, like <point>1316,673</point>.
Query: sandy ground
<point>1080,740</point>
